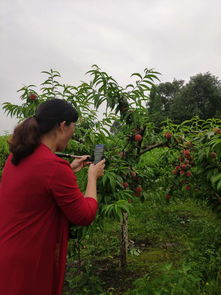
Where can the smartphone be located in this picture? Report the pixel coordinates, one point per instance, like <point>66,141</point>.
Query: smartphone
<point>97,157</point>
<point>98,153</point>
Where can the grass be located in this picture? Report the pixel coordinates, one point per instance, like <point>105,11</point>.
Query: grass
<point>174,248</point>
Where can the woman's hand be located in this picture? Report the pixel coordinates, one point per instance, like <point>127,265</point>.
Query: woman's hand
<point>96,170</point>
<point>80,163</point>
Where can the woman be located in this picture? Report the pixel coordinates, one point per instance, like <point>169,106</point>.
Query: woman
<point>39,197</point>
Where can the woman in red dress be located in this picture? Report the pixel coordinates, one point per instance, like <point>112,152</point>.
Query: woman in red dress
<point>39,198</point>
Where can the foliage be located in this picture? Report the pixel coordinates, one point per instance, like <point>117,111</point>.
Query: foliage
<point>177,245</point>
<point>123,148</point>
<point>182,281</point>
<point>85,282</point>
<point>190,164</point>
<point>4,151</point>
<point>161,101</point>
<point>158,166</point>
<point>201,96</point>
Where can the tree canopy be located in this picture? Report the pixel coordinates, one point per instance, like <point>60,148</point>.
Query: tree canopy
<point>201,97</point>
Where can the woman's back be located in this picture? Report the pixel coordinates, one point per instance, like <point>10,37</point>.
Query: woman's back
<point>31,226</point>
<point>39,197</point>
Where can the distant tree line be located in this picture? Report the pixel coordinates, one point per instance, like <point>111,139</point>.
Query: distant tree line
<point>201,96</point>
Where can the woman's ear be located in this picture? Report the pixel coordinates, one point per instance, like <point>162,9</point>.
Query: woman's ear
<point>62,126</point>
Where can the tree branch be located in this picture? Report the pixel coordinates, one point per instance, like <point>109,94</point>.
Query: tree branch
<point>153,146</point>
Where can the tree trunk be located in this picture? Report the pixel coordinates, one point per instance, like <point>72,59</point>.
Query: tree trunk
<point>124,240</point>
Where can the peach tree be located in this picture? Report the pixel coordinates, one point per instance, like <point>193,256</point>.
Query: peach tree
<point>124,129</point>
<point>193,160</point>
<point>190,161</point>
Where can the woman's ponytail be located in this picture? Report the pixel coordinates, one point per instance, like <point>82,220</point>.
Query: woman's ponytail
<point>25,139</point>
<point>27,135</point>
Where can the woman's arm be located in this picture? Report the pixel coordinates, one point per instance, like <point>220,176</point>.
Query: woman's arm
<point>79,208</point>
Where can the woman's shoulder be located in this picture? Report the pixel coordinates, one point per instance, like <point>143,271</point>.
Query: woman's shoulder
<point>43,153</point>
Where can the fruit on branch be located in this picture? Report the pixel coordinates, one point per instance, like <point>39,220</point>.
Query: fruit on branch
<point>138,137</point>
<point>138,189</point>
<point>187,187</point>
<point>182,172</point>
<point>125,184</point>
<point>168,135</point>
<point>133,174</point>
<point>186,152</point>
<point>183,166</point>
<point>213,155</point>
<point>217,130</point>
<point>189,173</point>
<point>32,96</point>
<point>168,196</point>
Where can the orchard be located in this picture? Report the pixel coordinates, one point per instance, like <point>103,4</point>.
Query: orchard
<point>189,153</point>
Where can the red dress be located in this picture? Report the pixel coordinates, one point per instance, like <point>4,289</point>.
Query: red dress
<point>38,200</point>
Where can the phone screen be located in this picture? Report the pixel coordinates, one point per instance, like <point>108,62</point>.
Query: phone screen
<point>98,153</point>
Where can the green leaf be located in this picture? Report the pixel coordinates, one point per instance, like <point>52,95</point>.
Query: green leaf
<point>45,72</point>
<point>219,185</point>
<point>138,75</point>
<point>215,178</point>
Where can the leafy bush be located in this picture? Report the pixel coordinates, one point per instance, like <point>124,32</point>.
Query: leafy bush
<point>182,281</point>
<point>4,151</point>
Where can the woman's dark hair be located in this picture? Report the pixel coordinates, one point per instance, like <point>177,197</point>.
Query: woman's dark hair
<point>27,135</point>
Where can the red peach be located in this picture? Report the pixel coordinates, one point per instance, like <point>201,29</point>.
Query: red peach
<point>168,196</point>
<point>216,130</point>
<point>133,174</point>
<point>32,96</point>
<point>138,189</point>
<point>183,166</point>
<point>125,184</point>
<point>186,152</point>
<point>138,137</point>
<point>189,173</point>
<point>168,135</point>
<point>213,155</point>
<point>187,187</point>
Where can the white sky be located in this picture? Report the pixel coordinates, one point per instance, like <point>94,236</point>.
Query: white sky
<point>179,38</point>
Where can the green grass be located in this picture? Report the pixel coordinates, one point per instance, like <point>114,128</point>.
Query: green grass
<point>174,248</point>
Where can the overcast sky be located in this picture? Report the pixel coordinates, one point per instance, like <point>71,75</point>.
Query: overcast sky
<point>178,38</point>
